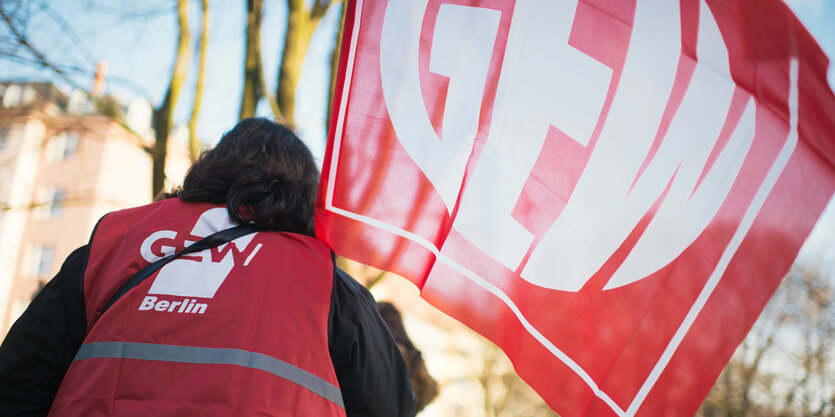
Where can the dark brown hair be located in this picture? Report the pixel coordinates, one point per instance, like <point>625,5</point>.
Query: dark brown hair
<point>263,173</point>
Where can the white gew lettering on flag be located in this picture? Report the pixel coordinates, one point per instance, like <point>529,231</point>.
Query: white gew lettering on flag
<point>544,81</point>
<point>461,50</point>
<point>608,201</point>
<point>637,109</point>
<point>690,205</point>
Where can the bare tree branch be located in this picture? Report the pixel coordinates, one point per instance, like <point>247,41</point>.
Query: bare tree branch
<point>67,30</point>
<point>337,48</point>
<point>163,114</point>
<point>193,141</point>
<point>301,24</point>
<point>129,13</point>
<point>320,7</point>
<point>128,83</point>
<point>39,57</point>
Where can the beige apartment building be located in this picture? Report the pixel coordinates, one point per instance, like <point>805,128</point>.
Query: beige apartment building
<point>62,166</point>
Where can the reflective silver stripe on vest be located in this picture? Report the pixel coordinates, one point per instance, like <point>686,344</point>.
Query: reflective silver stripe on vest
<point>216,356</point>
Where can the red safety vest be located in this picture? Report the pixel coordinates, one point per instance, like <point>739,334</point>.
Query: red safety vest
<point>237,330</point>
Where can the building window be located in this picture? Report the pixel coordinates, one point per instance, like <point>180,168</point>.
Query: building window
<point>12,96</point>
<point>50,202</point>
<point>4,138</point>
<point>39,261</point>
<point>29,95</point>
<point>71,145</point>
<point>62,146</point>
<point>56,204</point>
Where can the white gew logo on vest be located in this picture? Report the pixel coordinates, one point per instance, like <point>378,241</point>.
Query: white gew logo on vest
<point>199,274</point>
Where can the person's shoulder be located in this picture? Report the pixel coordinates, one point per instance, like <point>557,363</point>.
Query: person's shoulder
<point>350,286</point>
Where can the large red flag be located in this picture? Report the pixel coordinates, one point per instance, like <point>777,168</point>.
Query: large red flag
<point>609,190</point>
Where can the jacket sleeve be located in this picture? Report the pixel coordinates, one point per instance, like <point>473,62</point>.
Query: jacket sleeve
<point>41,344</point>
<point>372,374</point>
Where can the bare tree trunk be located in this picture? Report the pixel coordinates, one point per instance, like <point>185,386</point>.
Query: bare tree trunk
<point>165,112</point>
<point>750,372</point>
<point>252,77</point>
<point>193,140</point>
<point>337,48</point>
<point>255,87</point>
<point>301,23</point>
<point>266,94</point>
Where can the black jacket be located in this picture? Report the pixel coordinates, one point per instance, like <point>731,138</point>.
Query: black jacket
<point>41,345</point>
